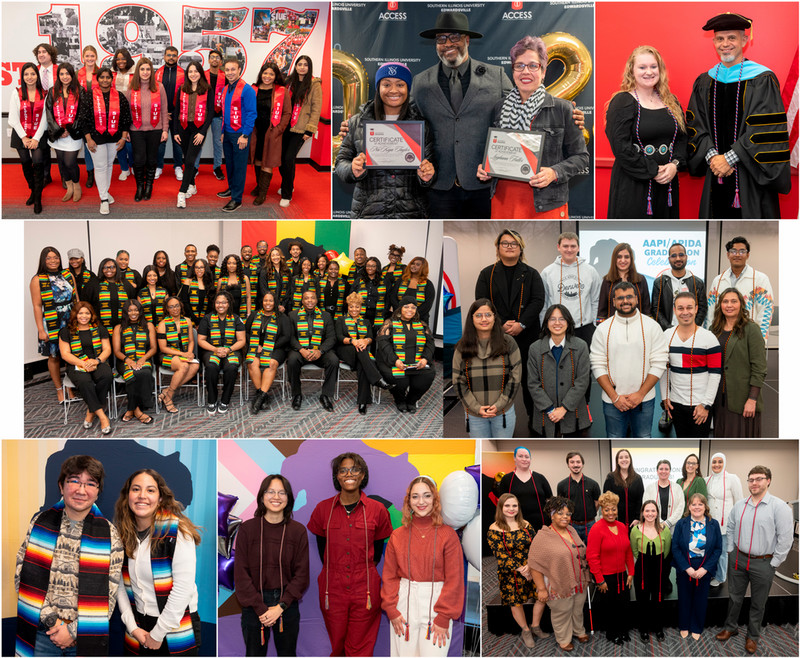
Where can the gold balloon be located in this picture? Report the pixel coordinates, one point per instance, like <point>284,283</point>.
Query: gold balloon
<point>577,61</point>
<point>499,476</point>
<point>349,70</point>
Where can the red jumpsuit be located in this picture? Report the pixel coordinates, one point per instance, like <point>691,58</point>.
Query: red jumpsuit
<point>349,573</point>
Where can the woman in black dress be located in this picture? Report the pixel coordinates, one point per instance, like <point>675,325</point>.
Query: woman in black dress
<point>108,293</point>
<point>530,488</point>
<point>134,344</point>
<point>373,290</point>
<point>305,280</point>
<point>152,296</point>
<point>237,285</point>
<point>198,297</point>
<point>627,484</point>
<point>166,275</point>
<point>647,131</point>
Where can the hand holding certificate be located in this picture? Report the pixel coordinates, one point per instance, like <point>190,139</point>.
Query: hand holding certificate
<point>394,144</point>
<point>515,155</point>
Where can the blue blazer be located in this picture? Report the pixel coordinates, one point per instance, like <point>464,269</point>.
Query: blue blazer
<point>682,535</point>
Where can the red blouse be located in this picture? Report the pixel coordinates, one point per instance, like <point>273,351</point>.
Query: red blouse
<point>608,553</point>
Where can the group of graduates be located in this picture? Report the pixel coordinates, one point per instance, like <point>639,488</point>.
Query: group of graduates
<point>128,110</point>
<point>705,348</point>
<point>257,311</point>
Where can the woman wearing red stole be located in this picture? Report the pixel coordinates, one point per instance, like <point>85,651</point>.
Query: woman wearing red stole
<point>194,110</point>
<point>158,600</point>
<point>274,108</point>
<point>149,125</point>
<point>27,124</point>
<point>86,80</point>
<point>105,118</point>
<point>122,65</point>
<point>61,105</point>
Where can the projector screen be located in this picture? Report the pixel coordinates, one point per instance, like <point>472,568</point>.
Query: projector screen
<point>646,455</point>
<point>650,245</point>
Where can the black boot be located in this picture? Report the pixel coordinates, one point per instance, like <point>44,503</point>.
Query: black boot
<point>264,179</point>
<point>140,175</point>
<point>89,178</point>
<point>257,169</point>
<point>148,184</point>
<point>27,171</point>
<point>38,186</point>
<point>255,403</point>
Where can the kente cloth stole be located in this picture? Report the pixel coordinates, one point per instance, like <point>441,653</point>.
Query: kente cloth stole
<point>218,338</point>
<point>340,300</point>
<point>380,307</point>
<point>300,287</point>
<point>130,276</point>
<point>272,285</point>
<point>419,296</point>
<point>93,567</point>
<point>146,298</point>
<point>357,328</point>
<point>183,271</point>
<point>106,315</point>
<point>183,639</point>
<point>48,305</point>
<point>194,297</point>
<point>243,302</point>
<point>310,333</point>
<point>177,338</point>
<point>77,349</point>
<point>134,346</point>
<point>399,340</point>
<point>270,333</point>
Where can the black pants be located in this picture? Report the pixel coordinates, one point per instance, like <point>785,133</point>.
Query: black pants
<point>139,389</point>
<point>292,143</point>
<point>524,341</point>
<point>68,165</point>
<point>229,372</point>
<point>411,386</point>
<point>615,600</point>
<point>458,203</point>
<point>365,368</point>
<point>285,642</point>
<point>328,361</point>
<point>646,581</point>
<point>93,386</point>
<point>30,157</point>
<point>147,623</point>
<point>190,152</point>
<point>145,145</point>
<point>685,427</point>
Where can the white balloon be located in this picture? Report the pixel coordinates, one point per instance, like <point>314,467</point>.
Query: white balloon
<point>459,495</point>
<point>471,541</point>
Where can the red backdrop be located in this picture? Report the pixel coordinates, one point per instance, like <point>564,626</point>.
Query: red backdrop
<point>675,30</point>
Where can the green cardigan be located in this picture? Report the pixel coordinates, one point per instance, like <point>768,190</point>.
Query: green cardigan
<point>745,366</point>
<point>639,542</point>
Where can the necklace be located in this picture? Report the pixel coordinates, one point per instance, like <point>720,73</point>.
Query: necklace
<point>736,203</point>
<point>645,151</point>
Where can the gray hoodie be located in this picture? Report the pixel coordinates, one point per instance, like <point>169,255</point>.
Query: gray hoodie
<point>562,283</point>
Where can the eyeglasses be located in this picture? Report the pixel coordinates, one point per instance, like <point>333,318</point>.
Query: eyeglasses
<point>555,320</point>
<point>521,66</point>
<point>625,298</point>
<point>564,512</point>
<point>109,267</point>
<point>173,305</point>
<point>754,480</point>
<point>738,252</point>
<point>480,316</point>
<point>509,245</point>
<point>75,483</point>
<point>279,494</point>
<point>452,38</point>
<point>355,470</point>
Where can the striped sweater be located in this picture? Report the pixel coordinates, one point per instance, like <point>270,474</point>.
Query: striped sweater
<point>483,381</point>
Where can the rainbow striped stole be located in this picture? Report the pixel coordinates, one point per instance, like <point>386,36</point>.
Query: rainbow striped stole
<point>310,333</point>
<point>134,346</point>
<point>48,305</point>
<point>177,334</point>
<point>183,272</point>
<point>180,640</point>
<point>93,567</point>
<point>216,274</point>
<point>270,334</point>
<point>399,340</point>
<point>419,296</point>
<point>108,317</point>
<point>153,316</point>
<point>77,349</point>
<point>219,338</point>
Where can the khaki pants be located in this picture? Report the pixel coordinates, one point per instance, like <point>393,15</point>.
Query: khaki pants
<point>566,615</point>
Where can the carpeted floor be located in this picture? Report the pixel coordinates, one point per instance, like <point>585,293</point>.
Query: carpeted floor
<point>774,641</point>
<point>311,198</point>
<point>45,418</point>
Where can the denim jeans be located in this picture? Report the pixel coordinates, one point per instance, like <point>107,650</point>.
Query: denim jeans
<point>215,134</point>
<point>492,428</point>
<point>722,565</point>
<point>125,156</point>
<point>45,647</point>
<point>583,530</point>
<point>285,641</point>
<point>236,164</point>
<point>177,153</point>
<point>640,420</point>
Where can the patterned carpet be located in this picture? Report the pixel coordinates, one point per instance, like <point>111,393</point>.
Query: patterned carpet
<point>44,418</point>
<point>774,641</point>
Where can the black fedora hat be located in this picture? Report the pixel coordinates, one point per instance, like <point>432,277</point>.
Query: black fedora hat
<point>450,21</point>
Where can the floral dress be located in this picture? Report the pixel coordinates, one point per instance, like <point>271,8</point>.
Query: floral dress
<point>63,297</point>
<point>511,550</point>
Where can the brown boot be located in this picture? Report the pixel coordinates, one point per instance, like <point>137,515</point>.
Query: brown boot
<point>68,194</point>
<point>264,179</point>
<point>76,191</point>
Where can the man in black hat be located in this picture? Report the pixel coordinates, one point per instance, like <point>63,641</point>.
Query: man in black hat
<point>738,141</point>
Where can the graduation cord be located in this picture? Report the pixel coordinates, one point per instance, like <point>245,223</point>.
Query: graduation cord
<point>535,490</point>
<point>608,356</point>
<point>491,293</point>
<point>638,292</point>
<point>661,288</point>
<point>660,560</point>
<point>641,145</point>
<point>260,573</point>
<point>736,203</point>
<point>739,536</point>
<point>691,363</point>
<point>433,577</point>
<point>561,288</point>
<point>502,386</point>
<point>366,552</point>
<point>575,573</point>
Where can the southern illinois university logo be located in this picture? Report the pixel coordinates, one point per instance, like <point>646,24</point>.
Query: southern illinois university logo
<point>516,6</point>
<point>393,6</point>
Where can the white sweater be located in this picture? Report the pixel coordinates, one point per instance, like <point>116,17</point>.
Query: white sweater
<point>576,286</point>
<point>675,506</point>
<point>623,361</point>
<point>756,290</point>
<point>14,121</point>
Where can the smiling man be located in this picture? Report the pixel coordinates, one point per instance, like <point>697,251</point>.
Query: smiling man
<point>668,285</point>
<point>68,570</point>
<point>737,128</point>
<point>628,357</point>
<point>583,492</point>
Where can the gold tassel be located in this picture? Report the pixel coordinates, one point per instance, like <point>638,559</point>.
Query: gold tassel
<point>262,635</point>
<point>369,603</point>
<point>326,600</point>
<point>280,625</point>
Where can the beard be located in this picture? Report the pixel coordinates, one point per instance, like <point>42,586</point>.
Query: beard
<point>459,60</point>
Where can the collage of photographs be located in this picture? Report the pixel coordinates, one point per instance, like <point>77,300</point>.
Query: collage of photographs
<point>540,416</point>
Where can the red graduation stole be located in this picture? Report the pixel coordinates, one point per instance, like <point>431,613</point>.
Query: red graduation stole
<point>136,108</point>
<point>219,90</point>
<point>199,110</point>
<point>178,77</point>
<point>82,81</point>
<point>295,114</point>
<point>279,95</point>
<point>236,105</point>
<point>99,103</point>
<point>65,116</point>
<point>30,112</point>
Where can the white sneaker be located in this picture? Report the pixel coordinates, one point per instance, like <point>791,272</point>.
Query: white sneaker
<point>124,174</point>
<point>111,199</point>
<point>279,191</point>
<point>104,209</point>
<point>158,172</point>
<point>715,582</point>
<point>179,173</point>
<point>191,191</point>
<point>181,200</point>
<point>285,202</point>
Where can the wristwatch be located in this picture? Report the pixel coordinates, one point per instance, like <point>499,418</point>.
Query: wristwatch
<point>283,605</point>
